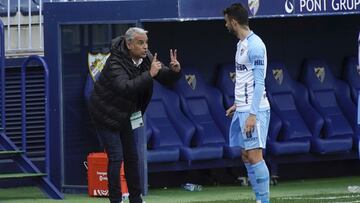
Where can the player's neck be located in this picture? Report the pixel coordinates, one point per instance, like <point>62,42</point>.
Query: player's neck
<point>243,32</point>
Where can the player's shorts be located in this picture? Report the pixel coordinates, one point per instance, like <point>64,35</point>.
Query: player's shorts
<point>257,139</point>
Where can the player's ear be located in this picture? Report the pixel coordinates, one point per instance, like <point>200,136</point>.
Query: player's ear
<point>233,22</point>
<point>128,44</point>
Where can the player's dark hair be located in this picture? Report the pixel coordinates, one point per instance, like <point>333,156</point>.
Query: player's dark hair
<point>237,12</point>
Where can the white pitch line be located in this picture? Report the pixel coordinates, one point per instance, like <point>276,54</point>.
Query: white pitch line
<point>322,198</point>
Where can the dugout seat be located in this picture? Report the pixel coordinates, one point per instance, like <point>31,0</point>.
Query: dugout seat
<point>172,131</point>
<point>289,101</point>
<point>203,105</point>
<point>226,83</point>
<point>352,76</point>
<point>331,98</point>
<point>167,127</point>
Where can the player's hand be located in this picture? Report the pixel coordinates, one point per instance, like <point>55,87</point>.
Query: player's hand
<point>174,63</point>
<point>230,111</point>
<point>250,124</point>
<point>155,66</point>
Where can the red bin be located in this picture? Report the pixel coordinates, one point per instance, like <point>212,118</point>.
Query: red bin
<point>97,175</point>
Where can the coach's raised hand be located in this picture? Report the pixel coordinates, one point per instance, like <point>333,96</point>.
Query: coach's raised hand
<point>155,66</point>
<point>174,63</point>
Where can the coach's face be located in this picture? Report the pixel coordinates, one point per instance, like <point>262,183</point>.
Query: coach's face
<point>229,24</point>
<point>138,47</point>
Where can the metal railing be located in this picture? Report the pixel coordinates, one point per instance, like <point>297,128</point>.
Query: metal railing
<point>24,29</point>
<point>2,75</point>
<point>42,62</point>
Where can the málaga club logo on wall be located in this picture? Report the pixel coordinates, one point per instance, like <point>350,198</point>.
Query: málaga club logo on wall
<point>96,63</point>
<point>289,6</point>
<point>191,80</point>
<point>254,6</point>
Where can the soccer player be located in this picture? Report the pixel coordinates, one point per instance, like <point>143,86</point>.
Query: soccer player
<point>251,109</point>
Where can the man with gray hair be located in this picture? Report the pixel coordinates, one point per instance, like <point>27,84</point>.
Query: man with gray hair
<point>118,101</point>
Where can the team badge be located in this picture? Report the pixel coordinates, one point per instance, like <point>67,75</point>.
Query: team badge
<point>232,76</point>
<point>242,51</point>
<point>96,63</point>
<point>278,75</point>
<point>289,6</point>
<point>191,80</point>
<point>254,6</point>
<point>320,73</point>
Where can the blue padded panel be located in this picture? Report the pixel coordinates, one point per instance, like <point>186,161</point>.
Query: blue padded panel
<point>164,132</point>
<point>274,127</point>
<point>352,77</point>
<point>232,152</point>
<point>332,99</point>
<point>163,155</point>
<point>332,145</point>
<point>324,96</point>
<point>225,82</point>
<point>289,147</point>
<point>295,126</point>
<point>326,99</point>
<point>201,113</point>
<point>281,93</point>
<point>203,106</point>
<point>167,126</point>
<point>284,101</point>
<point>201,153</point>
<point>167,106</point>
<point>317,75</point>
<point>198,107</point>
<point>148,132</point>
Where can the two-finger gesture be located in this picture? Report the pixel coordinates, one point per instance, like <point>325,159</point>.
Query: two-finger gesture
<point>174,63</point>
<point>155,66</point>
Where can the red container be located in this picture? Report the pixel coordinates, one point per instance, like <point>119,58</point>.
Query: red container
<point>97,175</point>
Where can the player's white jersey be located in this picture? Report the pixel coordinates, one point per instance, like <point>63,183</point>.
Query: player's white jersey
<point>244,85</point>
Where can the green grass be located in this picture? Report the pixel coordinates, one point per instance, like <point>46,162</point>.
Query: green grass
<point>299,191</point>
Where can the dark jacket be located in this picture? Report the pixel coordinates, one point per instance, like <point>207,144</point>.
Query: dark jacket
<point>123,88</point>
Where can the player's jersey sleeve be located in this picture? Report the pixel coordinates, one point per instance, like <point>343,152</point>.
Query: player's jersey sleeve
<point>257,57</point>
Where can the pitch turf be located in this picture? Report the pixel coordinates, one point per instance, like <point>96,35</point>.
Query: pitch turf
<point>299,191</point>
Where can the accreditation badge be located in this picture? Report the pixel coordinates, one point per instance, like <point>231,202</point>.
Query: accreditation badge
<point>136,120</point>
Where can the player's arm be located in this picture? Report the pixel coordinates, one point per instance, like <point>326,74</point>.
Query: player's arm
<point>257,58</point>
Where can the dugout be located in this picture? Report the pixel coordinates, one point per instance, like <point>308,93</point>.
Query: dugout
<point>291,31</point>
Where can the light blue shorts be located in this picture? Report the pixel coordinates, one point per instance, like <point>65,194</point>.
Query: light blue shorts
<point>257,139</point>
